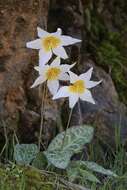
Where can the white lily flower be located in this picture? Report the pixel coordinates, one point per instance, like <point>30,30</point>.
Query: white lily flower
<point>79,88</point>
<point>49,43</point>
<point>52,74</point>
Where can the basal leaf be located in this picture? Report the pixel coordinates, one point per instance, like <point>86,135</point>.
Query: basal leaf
<point>59,159</point>
<point>40,161</point>
<point>75,171</point>
<point>97,168</point>
<point>89,176</point>
<point>59,153</point>
<point>93,166</point>
<point>25,153</point>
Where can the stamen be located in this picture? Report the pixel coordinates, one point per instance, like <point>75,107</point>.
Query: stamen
<point>53,73</point>
<point>50,42</point>
<point>77,87</point>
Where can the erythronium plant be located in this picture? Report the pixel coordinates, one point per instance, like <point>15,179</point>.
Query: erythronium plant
<point>79,88</point>
<point>51,43</point>
<point>52,74</point>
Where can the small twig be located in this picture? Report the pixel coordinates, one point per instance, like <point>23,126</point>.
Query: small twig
<point>6,139</point>
<point>4,147</point>
<point>5,131</point>
<point>72,185</point>
<point>16,138</point>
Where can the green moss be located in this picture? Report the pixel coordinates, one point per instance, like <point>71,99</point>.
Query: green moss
<point>27,178</point>
<point>108,48</point>
<point>108,55</point>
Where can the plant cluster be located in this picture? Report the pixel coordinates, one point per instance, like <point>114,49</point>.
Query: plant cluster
<point>71,141</point>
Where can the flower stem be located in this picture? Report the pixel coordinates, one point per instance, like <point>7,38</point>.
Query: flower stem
<point>68,123</point>
<point>80,114</point>
<point>42,116</point>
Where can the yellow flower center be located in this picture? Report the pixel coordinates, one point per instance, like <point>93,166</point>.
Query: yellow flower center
<point>53,73</point>
<point>50,42</point>
<point>77,87</point>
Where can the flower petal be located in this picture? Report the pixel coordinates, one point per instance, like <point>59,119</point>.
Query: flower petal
<point>67,40</point>
<point>41,69</point>
<point>56,62</point>
<point>87,75</point>
<point>58,32</point>
<point>87,96</point>
<point>44,57</point>
<point>91,84</point>
<point>62,93</point>
<point>41,32</point>
<point>73,100</point>
<point>38,81</point>
<point>64,76</point>
<point>36,68</point>
<point>35,44</point>
<point>53,86</point>
<point>73,77</point>
<point>66,67</point>
<point>60,51</point>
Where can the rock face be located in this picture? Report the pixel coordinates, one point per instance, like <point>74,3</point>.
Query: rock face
<point>18,20</point>
<point>19,105</point>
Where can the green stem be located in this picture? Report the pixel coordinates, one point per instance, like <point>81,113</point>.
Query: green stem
<point>80,114</point>
<point>68,123</point>
<point>42,116</point>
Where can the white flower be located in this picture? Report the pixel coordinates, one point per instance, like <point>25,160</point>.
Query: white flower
<point>79,88</point>
<point>52,74</point>
<point>49,43</point>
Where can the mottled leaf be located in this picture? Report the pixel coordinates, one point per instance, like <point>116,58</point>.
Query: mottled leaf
<point>89,176</point>
<point>40,161</point>
<point>25,153</point>
<point>59,153</point>
<point>75,171</point>
<point>97,168</point>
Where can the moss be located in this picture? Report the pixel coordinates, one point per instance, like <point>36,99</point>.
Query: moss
<point>106,47</point>
<point>109,56</point>
<point>28,178</point>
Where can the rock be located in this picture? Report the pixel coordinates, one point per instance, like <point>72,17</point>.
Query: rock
<point>68,15</point>
<point>19,20</point>
<point>19,105</point>
<point>30,122</point>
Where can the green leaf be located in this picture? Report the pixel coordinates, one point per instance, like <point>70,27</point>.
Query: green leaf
<point>40,161</point>
<point>80,170</point>
<point>25,153</point>
<point>75,171</point>
<point>97,168</point>
<point>94,167</point>
<point>58,158</point>
<point>89,176</point>
<point>76,137</point>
